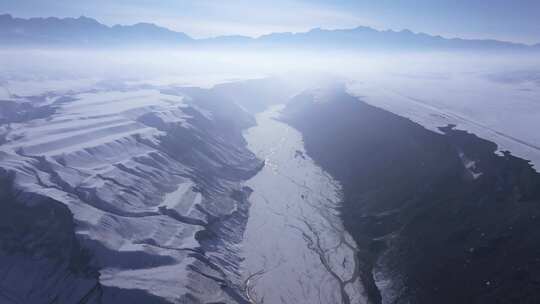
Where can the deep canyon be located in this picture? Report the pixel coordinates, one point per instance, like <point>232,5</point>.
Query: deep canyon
<point>252,192</point>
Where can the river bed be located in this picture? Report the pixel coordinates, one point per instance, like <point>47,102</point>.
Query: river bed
<point>295,247</point>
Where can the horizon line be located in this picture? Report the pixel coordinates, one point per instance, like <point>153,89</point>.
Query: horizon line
<point>270,33</point>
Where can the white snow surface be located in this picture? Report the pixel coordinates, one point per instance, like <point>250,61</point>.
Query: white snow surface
<point>296,249</point>
<point>96,157</point>
<point>507,113</point>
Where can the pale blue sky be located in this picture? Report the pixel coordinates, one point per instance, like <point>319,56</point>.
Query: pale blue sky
<point>514,20</point>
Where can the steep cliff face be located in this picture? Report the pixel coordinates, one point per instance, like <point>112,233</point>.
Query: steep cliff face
<point>124,196</point>
<point>439,217</point>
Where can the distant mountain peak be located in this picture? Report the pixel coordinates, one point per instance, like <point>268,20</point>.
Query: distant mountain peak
<point>364,28</point>
<point>87,19</point>
<point>88,32</point>
<point>83,32</point>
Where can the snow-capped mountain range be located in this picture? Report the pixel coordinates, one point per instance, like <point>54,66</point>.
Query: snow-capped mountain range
<point>87,32</point>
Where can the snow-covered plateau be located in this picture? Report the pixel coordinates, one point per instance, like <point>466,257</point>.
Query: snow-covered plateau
<point>129,194</point>
<point>502,106</point>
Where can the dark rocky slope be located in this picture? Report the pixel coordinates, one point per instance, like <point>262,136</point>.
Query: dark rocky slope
<point>38,237</point>
<point>441,218</point>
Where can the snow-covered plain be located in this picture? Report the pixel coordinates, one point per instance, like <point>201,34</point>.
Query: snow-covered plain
<point>505,113</point>
<point>496,97</point>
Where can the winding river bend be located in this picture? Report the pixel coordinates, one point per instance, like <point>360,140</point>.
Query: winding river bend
<point>295,247</point>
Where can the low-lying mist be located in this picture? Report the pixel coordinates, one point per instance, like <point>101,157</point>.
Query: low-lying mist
<point>496,95</point>
<point>21,64</point>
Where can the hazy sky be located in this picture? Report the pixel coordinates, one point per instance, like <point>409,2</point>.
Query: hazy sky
<point>514,20</point>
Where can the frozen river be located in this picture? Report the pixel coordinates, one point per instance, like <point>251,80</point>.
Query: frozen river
<point>295,248</point>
